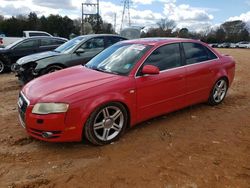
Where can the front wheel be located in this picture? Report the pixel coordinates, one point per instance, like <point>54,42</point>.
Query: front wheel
<point>52,68</point>
<point>106,124</point>
<point>218,92</point>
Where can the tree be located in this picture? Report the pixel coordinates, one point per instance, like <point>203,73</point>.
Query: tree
<point>244,35</point>
<point>166,24</point>
<point>232,29</point>
<point>183,33</point>
<point>220,35</point>
<point>95,21</point>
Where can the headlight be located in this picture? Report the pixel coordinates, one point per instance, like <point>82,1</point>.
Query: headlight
<point>49,108</point>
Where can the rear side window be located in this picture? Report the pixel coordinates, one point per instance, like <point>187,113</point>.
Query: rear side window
<point>112,40</point>
<point>196,53</point>
<point>46,42</point>
<point>165,57</point>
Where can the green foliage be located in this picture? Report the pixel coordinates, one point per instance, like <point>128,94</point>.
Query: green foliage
<point>53,24</point>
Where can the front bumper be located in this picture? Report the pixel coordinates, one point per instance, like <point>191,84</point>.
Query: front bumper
<point>50,127</point>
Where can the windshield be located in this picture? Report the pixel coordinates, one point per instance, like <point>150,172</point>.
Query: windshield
<point>68,46</point>
<point>13,44</point>
<point>118,59</point>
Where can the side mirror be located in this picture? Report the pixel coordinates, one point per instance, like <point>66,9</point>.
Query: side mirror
<point>150,69</point>
<point>79,51</point>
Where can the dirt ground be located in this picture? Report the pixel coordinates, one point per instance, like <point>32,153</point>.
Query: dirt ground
<point>200,146</point>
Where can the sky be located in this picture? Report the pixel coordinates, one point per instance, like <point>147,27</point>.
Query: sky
<point>196,15</point>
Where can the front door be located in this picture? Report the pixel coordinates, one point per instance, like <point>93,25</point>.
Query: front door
<point>90,49</point>
<point>165,92</point>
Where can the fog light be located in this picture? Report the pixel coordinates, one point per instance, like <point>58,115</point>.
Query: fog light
<point>47,134</point>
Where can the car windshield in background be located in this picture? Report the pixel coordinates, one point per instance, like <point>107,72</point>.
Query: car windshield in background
<point>118,59</point>
<point>68,46</point>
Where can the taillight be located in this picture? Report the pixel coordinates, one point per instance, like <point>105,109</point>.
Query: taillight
<point>1,41</point>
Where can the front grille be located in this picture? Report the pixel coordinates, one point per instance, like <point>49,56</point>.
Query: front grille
<point>22,104</point>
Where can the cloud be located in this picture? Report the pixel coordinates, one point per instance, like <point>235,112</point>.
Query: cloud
<point>13,11</point>
<point>64,4</point>
<point>193,18</point>
<point>184,15</point>
<point>245,17</point>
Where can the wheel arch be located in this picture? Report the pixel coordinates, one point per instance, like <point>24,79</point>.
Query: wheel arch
<point>94,105</point>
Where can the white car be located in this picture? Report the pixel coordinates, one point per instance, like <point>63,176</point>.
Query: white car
<point>243,44</point>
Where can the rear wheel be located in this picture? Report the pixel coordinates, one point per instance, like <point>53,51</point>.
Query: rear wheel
<point>2,67</point>
<point>219,92</point>
<point>106,124</point>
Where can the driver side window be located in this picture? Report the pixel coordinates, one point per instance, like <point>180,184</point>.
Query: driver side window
<point>165,57</point>
<point>93,44</point>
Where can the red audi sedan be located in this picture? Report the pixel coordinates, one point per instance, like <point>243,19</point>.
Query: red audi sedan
<point>128,83</point>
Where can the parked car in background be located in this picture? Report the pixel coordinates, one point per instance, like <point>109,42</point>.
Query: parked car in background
<point>26,46</point>
<point>74,52</point>
<point>224,45</point>
<point>232,45</point>
<point>214,45</point>
<point>243,44</point>
<point>128,83</point>
<point>9,40</point>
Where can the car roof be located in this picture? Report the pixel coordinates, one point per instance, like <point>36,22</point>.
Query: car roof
<point>46,37</point>
<point>101,35</point>
<point>158,40</point>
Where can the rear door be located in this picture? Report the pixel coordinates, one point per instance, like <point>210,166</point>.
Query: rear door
<point>200,63</point>
<point>90,48</point>
<point>24,48</point>
<point>47,44</point>
<point>158,94</point>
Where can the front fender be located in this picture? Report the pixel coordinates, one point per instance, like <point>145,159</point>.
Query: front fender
<point>90,105</point>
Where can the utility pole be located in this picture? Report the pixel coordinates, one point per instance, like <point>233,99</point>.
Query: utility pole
<point>97,13</point>
<point>82,25</point>
<point>115,22</point>
<point>126,10</point>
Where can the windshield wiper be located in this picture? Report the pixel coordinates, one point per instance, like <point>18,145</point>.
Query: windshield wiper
<point>101,70</point>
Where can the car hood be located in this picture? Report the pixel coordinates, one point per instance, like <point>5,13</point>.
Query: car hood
<point>36,57</point>
<point>60,86</point>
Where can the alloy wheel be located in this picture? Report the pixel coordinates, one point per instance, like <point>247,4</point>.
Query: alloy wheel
<point>108,123</point>
<point>220,90</point>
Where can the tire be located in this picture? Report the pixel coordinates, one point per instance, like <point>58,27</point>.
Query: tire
<point>52,68</point>
<point>12,67</point>
<point>218,92</point>
<point>2,67</point>
<point>106,124</point>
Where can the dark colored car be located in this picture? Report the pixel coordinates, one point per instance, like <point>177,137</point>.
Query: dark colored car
<point>74,52</point>
<point>26,46</point>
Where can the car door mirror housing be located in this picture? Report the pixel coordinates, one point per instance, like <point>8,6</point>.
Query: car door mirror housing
<point>150,69</point>
<point>80,51</point>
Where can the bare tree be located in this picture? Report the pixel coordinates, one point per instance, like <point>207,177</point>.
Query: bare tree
<point>166,24</point>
